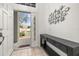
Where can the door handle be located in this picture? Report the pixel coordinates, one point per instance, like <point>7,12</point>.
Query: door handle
<point>2,38</point>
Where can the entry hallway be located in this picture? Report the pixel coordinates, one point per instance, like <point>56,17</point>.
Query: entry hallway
<point>29,51</point>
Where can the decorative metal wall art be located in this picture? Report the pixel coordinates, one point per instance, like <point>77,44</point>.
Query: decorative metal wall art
<point>58,15</point>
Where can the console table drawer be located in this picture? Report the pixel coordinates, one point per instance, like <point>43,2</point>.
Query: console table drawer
<point>58,45</point>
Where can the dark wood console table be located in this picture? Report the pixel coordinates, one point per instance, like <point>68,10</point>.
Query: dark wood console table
<point>68,47</point>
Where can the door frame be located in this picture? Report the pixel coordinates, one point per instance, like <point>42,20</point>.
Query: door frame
<point>32,41</point>
<point>17,7</point>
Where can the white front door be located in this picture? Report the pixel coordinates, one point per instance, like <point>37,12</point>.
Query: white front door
<point>5,33</point>
<point>1,21</point>
<point>1,50</point>
<point>6,27</point>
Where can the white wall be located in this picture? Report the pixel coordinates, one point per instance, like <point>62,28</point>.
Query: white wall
<point>68,29</point>
<point>41,27</point>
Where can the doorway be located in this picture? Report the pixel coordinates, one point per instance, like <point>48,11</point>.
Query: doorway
<point>23,28</point>
<point>24,24</point>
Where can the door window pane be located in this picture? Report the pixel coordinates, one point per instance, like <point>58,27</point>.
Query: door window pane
<point>24,25</point>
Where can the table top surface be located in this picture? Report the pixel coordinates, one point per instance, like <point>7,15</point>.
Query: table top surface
<point>62,41</point>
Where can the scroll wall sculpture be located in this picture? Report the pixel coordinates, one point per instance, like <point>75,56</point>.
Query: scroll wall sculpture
<point>58,15</point>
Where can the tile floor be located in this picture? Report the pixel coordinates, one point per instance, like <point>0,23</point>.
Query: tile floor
<point>29,51</point>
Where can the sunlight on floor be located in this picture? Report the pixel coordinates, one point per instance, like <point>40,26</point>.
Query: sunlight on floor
<point>29,51</point>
